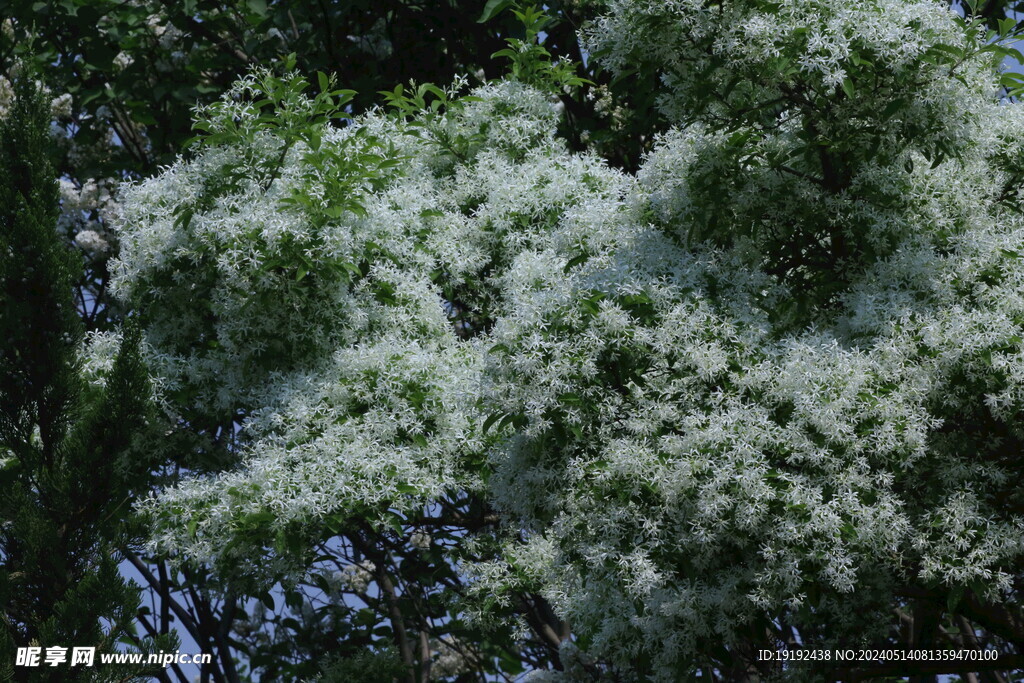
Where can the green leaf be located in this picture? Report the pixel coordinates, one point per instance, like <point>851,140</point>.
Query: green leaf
<point>848,88</point>
<point>184,217</point>
<point>1011,79</point>
<point>489,422</point>
<point>255,519</point>
<point>352,268</point>
<point>893,107</point>
<point>493,8</point>
<point>575,261</point>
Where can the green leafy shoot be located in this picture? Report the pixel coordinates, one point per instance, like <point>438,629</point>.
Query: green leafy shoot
<point>531,62</point>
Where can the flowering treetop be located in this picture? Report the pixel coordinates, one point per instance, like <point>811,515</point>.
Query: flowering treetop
<point>768,388</point>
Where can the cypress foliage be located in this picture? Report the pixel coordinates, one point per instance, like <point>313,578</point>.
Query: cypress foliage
<point>70,449</point>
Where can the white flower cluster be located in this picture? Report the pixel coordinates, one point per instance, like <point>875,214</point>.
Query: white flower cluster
<point>356,577</point>
<point>451,659</point>
<point>99,351</point>
<point>6,96</point>
<point>61,107</point>
<point>335,336</point>
<point>84,212</point>
<point>698,421</point>
<point>91,241</point>
<point>167,35</point>
<point>122,61</point>
<point>822,41</point>
<point>695,454</point>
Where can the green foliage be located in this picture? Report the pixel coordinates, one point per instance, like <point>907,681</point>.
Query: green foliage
<point>277,105</point>
<point>269,105</point>
<point>72,456</point>
<point>367,666</point>
<point>531,62</point>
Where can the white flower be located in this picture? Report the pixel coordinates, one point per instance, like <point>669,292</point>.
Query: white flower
<point>357,577</point>
<point>451,658</point>
<point>123,60</point>
<point>6,96</point>
<point>91,242</point>
<point>156,24</point>
<point>60,107</point>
